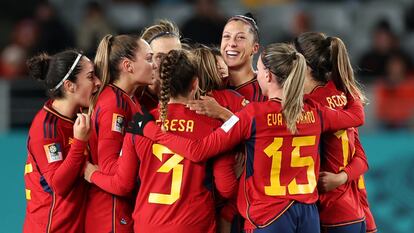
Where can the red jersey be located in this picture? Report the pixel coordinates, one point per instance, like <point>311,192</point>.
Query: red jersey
<point>55,188</point>
<point>340,206</point>
<point>175,194</point>
<point>369,218</point>
<point>251,91</point>
<point>230,99</point>
<point>234,102</point>
<point>281,168</point>
<point>106,212</point>
<point>147,99</point>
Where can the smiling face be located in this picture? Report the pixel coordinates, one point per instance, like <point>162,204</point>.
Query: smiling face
<point>87,83</point>
<point>237,44</point>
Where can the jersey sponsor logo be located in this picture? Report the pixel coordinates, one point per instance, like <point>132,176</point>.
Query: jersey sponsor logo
<point>118,123</point>
<point>230,123</point>
<point>53,152</point>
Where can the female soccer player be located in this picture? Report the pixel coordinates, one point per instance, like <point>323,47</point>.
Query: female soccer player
<point>343,158</point>
<point>239,43</point>
<point>162,37</point>
<point>57,144</point>
<point>123,63</point>
<point>176,195</point>
<point>278,188</point>
<point>213,73</point>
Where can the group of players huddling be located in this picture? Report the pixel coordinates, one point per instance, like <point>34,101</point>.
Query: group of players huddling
<point>159,136</point>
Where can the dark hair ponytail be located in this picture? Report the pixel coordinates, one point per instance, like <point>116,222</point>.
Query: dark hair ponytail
<point>52,69</point>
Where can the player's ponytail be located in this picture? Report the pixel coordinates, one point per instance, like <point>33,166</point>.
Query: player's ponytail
<point>292,101</point>
<point>329,60</point>
<point>289,67</point>
<point>342,72</point>
<point>177,72</point>
<point>110,52</point>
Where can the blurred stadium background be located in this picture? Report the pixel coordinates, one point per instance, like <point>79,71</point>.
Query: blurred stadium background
<point>379,36</point>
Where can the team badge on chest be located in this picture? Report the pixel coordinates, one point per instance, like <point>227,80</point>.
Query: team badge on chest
<point>53,152</point>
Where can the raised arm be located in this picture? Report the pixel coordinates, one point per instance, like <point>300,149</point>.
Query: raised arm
<point>61,172</point>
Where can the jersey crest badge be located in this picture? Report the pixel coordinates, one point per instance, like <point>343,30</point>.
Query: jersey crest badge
<point>53,152</point>
<point>118,123</point>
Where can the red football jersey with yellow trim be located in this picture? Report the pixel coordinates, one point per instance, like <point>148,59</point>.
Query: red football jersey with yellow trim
<point>281,168</point>
<point>175,195</point>
<point>106,212</point>
<point>250,90</point>
<point>55,188</point>
<point>230,99</point>
<point>340,206</point>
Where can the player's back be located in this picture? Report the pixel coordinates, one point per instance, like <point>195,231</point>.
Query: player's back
<point>341,205</point>
<point>281,167</point>
<point>176,194</point>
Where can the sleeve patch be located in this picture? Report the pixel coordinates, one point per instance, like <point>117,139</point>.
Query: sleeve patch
<point>244,102</point>
<point>118,123</point>
<point>53,152</point>
<point>230,123</point>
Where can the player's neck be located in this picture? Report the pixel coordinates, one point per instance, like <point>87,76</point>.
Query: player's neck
<point>311,84</point>
<point>180,100</point>
<point>239,76</point>
<point>65,108</point>
<point>126,86</point>
<point>275,93</point>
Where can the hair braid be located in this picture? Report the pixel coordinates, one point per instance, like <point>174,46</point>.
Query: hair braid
<point>167,68</point>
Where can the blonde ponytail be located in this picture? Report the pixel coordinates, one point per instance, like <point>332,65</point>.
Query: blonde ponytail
<point>292,101</point>
<point>289,68</point>
<point>102,67</point>
<point>342,72</point>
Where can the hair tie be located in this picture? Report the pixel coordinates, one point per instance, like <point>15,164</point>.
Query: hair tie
<point>327,42</point>
<point>293,56</point>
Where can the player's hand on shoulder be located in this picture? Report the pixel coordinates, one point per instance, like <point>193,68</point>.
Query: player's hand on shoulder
<point>208,106</point>
<point>82,127</point>
<point>138,122</point>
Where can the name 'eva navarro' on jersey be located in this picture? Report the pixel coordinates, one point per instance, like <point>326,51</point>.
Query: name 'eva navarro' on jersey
<point>276,119</point>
